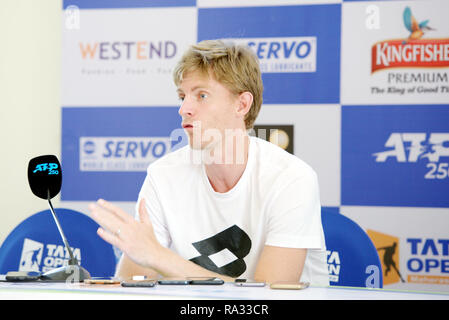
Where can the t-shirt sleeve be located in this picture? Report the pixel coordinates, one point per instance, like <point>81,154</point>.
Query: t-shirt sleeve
<point>294,214</point>
<point>154,209</point>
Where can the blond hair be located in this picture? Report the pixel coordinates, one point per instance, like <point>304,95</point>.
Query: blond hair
<point>234,66</point>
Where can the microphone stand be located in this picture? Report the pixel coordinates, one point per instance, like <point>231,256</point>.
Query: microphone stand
<point>72,272</point>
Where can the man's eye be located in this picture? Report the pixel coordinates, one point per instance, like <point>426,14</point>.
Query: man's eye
<point>181,98</point>
<point>203,95</point>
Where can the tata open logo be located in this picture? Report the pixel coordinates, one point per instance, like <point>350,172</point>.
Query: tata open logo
<point>121,153</point>
<point>42,257</point>
<point>286,54</point>
<point>333,265</point>
<point>416,147</point>
<point>425,260</point>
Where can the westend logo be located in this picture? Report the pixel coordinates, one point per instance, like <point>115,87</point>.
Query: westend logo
<point>412,51</point>
<point>40,257</point>
<point>413,147</point>
<point>121,153</point>
<point>427,259</point>
<point>128,50</point>
<point>279,55</point>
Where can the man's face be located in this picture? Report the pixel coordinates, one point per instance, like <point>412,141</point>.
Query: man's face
<point>208,108</point>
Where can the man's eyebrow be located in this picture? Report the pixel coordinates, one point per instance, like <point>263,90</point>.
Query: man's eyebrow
<point>202,87</point>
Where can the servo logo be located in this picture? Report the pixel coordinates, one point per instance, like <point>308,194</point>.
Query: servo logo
<point>121,153</point>
<point>414,147</point>
<point>283,54</point>
<point>40,257</point>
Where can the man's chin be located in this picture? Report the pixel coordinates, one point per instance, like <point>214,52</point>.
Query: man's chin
<point>196,145</point>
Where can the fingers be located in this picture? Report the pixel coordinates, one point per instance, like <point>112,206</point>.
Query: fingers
<point>105,218</point>
<point>116,225</point>
<point>114,209</point>
<point>110,238</point>
<point>143,213</point>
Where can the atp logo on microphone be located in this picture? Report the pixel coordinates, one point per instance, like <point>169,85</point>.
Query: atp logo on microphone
<point>50,167</point>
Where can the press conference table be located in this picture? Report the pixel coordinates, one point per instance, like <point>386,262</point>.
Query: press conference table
<point>75,291</point>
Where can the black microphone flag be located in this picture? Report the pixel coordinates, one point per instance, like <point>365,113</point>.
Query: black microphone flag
<point>45,176</point>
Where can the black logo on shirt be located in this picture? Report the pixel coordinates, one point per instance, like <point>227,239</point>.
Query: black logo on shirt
<point>233,239</point>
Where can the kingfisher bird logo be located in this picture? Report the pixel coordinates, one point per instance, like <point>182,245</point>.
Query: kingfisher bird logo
<point>411,51</point>
<point>417,29</point>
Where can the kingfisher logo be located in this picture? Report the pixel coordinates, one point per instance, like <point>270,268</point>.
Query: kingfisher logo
<point>280,55</point>
<point>40,257</point>
<point>412,51</point>
<point>414,147</point>
<point>121,153</point>
<point>128,50</point>
<point>426,259</point>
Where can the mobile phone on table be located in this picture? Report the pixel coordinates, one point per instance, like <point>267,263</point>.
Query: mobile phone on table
<point>102,281</point>
<point>16,276</point>
<point>147,283</point>
<point>205,280</point>
<point>286,285</point>
<point>248,283</point>
<point>173,281</point>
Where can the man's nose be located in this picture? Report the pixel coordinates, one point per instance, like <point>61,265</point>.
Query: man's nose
<point>186,108</point>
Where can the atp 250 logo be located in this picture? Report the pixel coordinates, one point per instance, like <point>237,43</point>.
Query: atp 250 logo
<point>50,167</point>
<point>416,146</point>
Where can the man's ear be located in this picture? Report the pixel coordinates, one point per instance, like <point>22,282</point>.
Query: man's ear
<point>245,102</point>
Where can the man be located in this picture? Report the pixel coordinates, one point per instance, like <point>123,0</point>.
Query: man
<point>227,205</point>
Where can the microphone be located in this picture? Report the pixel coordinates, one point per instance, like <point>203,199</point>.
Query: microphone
<point>45,179</point>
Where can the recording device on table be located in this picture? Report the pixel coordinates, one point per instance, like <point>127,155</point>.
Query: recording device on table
<point>191,281</point>
<point>248,283</point>
<point>147,283</point>
<point>205,280</point>
<point>102,281</point>
<point>173,281</point>
<point>45,180</point>
<point>286,285</point>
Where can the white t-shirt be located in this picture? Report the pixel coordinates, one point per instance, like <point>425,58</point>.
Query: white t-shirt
<point>275,202</point>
